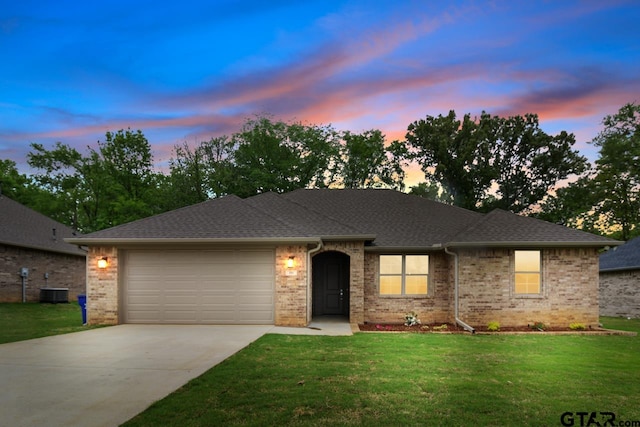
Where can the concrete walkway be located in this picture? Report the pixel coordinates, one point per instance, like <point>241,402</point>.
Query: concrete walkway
<point>104,377</point>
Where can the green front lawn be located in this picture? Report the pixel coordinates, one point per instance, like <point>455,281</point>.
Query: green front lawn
<point>31,320</point>
<point>412,379</point>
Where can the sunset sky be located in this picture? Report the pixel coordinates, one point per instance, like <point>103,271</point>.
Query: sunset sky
<point>186,71</point>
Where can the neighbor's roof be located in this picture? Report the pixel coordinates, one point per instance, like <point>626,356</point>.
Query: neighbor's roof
<point>385,219</point>
<point>26,228</point>
<point>625,257</point>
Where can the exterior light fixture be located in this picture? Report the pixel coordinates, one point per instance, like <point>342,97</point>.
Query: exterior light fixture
<point>103,262</point>
<point>291,261</point>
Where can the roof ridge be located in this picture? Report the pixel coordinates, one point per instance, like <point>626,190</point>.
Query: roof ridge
<point>330,217</point>
<point>474,224</point>
<point>271,215</point>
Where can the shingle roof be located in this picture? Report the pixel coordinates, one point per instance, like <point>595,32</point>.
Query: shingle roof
<point>502,228</point>
<point>26,228</point>
<point>625,257</point>
<point>386,219</point>
<point>397,219</point>
<point>225,218</point>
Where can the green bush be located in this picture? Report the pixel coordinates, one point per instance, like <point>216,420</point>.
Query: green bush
<point>493,326</point>
<point>577,326</point>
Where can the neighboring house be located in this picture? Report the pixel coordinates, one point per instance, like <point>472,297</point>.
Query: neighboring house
<point>369,255</point>
<point>620,280</point>
<point>32,241</point>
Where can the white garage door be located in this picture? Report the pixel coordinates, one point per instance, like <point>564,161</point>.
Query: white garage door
<point>199,286</point>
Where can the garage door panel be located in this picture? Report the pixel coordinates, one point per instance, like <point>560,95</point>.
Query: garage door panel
<point>172,299</point>
<point>255,298</point>
<point>218,299</point>
<point>145,316</point>
<point>255,316</point>
<point>143,298</point>
<point>220,315</point>
<point>210,286</point>
<point>149,284</point>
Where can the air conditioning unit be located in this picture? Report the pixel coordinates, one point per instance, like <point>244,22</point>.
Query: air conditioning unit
<point>54,295</point>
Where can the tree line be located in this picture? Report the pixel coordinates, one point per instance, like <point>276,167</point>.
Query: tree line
<point>478,163</point>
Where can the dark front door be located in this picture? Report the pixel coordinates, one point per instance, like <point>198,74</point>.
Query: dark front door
<point>330,284</point>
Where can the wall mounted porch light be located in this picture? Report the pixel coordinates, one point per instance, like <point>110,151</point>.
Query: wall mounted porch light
<point>291,261</point>
<point>103,262</point>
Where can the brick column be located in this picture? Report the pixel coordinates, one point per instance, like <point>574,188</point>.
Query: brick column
<point>102,287</point>
<point>291,287</point>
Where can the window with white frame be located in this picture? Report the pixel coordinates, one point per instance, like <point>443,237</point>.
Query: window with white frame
<point>527,272</point>
<point>404,274</point>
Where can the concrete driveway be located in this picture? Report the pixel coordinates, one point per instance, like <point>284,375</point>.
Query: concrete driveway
<point>103,377</point>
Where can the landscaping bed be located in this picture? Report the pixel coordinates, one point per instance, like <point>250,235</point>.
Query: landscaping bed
<point>457,329</point>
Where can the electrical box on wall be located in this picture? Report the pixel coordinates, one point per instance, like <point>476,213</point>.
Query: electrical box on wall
<point>24,272</point>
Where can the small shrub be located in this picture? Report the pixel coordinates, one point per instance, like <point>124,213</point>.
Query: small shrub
<point>539,326</point>
<point>577,326</point>
<point>411,319</point>
<point>493,326</point>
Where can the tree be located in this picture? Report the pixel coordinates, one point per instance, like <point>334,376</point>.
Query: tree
<point>62,176</point>
<point>605,200</point>
<point>13,184</point>
<point>432,191</point>
<point>125,160</point>
<point>108,186</point>
<point>572,205</point>
<point>278,157</point>
<point>197,174</point>
<point>529,162</point>
<point>454,154</point>
<point>492,162</point>
<point>365,162</point>
<point>617,179</point>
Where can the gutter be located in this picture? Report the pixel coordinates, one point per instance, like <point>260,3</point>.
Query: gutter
<point>458,320</point>
<point>534,244</point>
<point>310,252</point>
<point>88,241</point>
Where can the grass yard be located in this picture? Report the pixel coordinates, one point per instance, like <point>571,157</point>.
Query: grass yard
<point>20,322</point>
<point>413,379</point>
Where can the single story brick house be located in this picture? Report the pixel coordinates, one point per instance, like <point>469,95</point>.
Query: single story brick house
<point>620,280</point>
<point>369,255</point>
<point>35,242</point>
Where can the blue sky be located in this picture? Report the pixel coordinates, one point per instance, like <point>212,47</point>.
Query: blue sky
<point>191,70</point>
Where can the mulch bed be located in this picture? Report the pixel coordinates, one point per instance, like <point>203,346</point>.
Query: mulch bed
<point>448,328</point>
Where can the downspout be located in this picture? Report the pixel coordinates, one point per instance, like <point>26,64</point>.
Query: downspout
<point>310,252</point>
<point>455,290</point>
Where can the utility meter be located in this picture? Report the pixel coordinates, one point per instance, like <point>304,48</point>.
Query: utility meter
<point>24,272</point>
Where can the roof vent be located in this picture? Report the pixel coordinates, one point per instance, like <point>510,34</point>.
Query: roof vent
<point>55,237</point>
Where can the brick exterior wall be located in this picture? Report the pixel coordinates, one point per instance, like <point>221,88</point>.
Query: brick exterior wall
<point>570,289</point>
<point>102,287</point>
<point>437,307</point>
<point>355,250</point>
<point>292,292</point>
<point>64,271</point>
<point>620,293</point>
